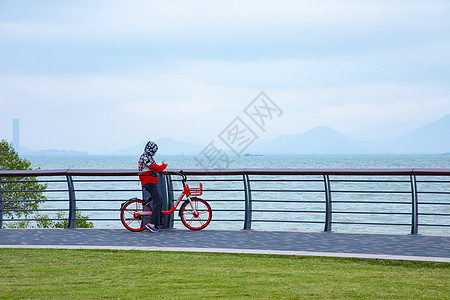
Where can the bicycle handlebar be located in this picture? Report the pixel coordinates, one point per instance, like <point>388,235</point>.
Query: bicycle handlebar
<point>181,173</point>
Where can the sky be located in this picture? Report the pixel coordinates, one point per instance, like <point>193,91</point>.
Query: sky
<point>101,76</point>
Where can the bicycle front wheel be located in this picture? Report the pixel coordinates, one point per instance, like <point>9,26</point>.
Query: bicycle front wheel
<point>130,215</point>
<point>196,216</point>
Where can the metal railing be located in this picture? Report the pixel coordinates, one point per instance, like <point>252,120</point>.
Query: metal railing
<point>298,199</point>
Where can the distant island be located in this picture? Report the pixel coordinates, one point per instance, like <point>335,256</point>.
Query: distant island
<point>51,152</point>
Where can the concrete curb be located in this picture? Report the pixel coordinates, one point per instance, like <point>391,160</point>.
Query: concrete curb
<point>241,251</point>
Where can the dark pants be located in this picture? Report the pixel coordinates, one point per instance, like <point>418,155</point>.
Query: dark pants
<point>156,204</point>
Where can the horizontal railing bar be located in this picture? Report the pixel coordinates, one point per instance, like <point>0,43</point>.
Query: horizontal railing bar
<point>287,201</point>
<point>361,223</point>
<point>290,211</point>
<point>65,219</point>
<point>225,200</point>
<point>33,181</point>
<point>289,221</point>
<point>209,180</point>
<point>433,181</point>
<point>432,203</point>
<point>31,220</point>
<point>370,213</point>
<point>215,190</point>
<point>105,180</point>
<point>285,180</point>
<point>433,193</point>
<point>434,214</point>
<point>222,172</point>
<point>103,200</point>
<point>217,220</point>
<point>287,191</point>
<point>61,209</point>
<point>370,192</point>
<point>368,181</point>
<point>107,190</point>
<point>97,209</point>
<point>32,209</point>
<point>27,201</point>
<point>381,172</point>
<point>99,220</point>
<point>229,210</point>
<point>20,220</point>
<point>373,201</point>
<point>34,191</point>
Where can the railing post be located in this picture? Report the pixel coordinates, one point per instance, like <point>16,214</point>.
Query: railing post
<point>71,220</point>
<point>170,200</point>
<point>1,208</point>
<point>415,206</point>
<point>328,208</point>
<point>248,203</point>
<point>164,192</point>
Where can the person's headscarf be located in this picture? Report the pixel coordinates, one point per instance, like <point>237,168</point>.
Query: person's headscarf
<point>146,158</point>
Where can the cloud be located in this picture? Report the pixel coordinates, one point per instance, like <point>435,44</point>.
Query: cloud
<point>97,75</point>
<point>227,28</point>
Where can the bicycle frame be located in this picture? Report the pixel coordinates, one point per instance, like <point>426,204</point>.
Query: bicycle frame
<point>186,192</point>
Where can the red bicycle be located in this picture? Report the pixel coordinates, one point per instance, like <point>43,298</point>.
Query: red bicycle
<point>195,213</point>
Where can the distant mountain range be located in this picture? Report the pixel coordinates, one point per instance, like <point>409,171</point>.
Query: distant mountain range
<point>432,138</point>
<point>319,140</point>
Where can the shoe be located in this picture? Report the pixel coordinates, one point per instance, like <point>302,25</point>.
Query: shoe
<point>152,229</point>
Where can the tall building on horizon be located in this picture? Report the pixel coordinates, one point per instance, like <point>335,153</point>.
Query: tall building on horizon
<point>16,142</point>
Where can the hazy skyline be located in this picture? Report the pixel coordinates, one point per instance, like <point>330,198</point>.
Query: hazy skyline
<point>101,76</point>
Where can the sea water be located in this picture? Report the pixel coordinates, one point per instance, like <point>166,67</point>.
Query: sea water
<point>269,162</point>
<point>303,161</point>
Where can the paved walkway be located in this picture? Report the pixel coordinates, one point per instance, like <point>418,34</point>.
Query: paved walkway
<point>380,246</point>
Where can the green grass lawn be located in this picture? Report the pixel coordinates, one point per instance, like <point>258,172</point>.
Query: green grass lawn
<point>80,274</point>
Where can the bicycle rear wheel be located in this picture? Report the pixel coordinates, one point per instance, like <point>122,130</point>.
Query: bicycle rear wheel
<point>129,215</point>
<point>195,219</point>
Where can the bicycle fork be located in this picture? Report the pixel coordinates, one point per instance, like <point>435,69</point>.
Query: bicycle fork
<point>194,210</point>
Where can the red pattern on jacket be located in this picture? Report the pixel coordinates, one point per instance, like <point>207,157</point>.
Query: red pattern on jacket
<point>146,177</point>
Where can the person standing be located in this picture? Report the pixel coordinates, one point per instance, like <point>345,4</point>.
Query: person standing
<point>148,175</point>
